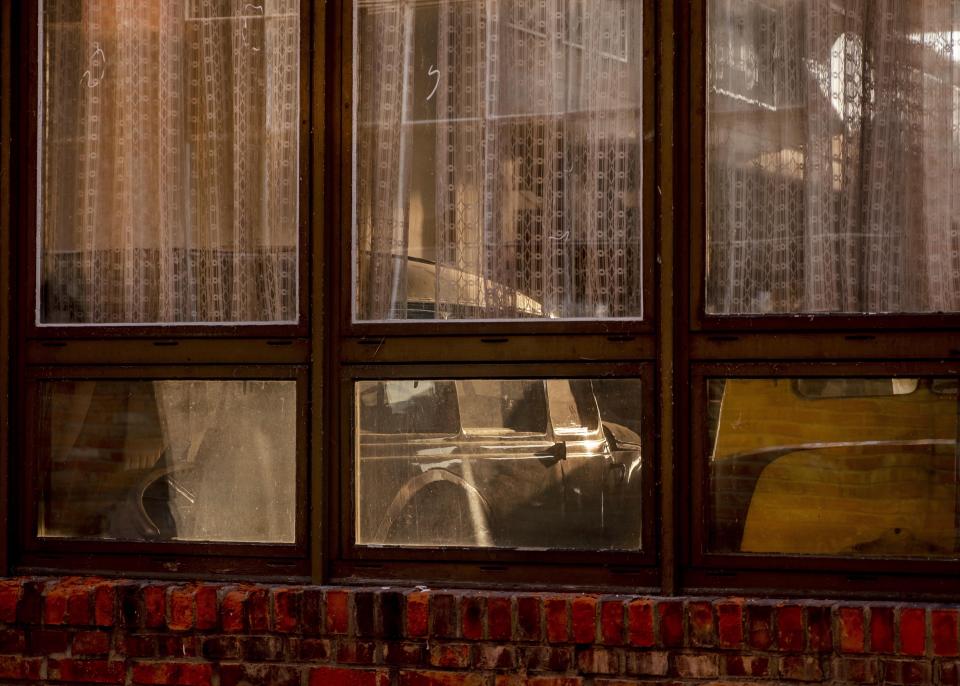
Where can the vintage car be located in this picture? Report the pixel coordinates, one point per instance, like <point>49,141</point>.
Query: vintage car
<point>509,463</point>
<point>827,466</point>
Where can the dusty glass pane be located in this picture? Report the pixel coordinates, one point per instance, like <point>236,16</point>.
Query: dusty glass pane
<point>848,467</point>
<point>169,460</point>
<point>497,159</point>
<point>168,162</point>
<point>517,463</point>
<point>833,157</point>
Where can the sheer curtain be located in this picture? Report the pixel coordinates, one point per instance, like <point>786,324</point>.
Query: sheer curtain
<point>498,150</point>
<point>833,154</point>
<point>169,146</point>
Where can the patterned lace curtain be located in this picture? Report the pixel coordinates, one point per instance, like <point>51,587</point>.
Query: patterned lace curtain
<point>833,154</point>
<point>498,150</point>
<point>169,150</point>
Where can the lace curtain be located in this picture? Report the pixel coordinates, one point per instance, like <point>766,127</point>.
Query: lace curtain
<point>169,147</point>
<point>833,153</point>
<point>498,150</point>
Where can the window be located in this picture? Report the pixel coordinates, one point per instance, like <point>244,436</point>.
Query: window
<point>822,303</point>
<point>615,294</point>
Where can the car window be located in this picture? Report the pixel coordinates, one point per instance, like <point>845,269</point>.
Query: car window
<point>502,406</point>
<point>396,407</point>
<point>816,389</point>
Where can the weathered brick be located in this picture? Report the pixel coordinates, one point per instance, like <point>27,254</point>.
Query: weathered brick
<point>528,618</point>
<point>315,649</point>
<point>177,646</point>
<point>759,666</point>
<point>88,671</point>
<point>471,617</point>
<point>857,670</point>
<point>365,613</point>
<point>596,660</point>
<point>703,632</point>
<point>404,654</point>
<point>851,626</point>
<point>18,667</point>
<point>801,668</point>
<point>443,616</point>
<point>105,604</point>
<point>338,613</point>
<point>760,626</point>
<point>258,610</point>
<point>261,648</point>
<point>697,666</point>
<point>173,673</point>
<point>730,624</point>
<point>12,641</point>
<point>154,606</point>
<point>647,663</point>
<point>353,652</point>
<point>790,634</point>
<point>450,655</point>
<point>499,618</point>
<point>233,613</point>
<point>243,674</point>
<point>182,610</point>
<point>557,612</point>
<point>90,643</point>
<point>47,641</point>
<point>10,592</point>
<point>429,678</point>
<point>640,623</point>
<point>340,676</point>
<point>220,648</point>
<point>546,658</point>
<point>819,628</point>
<point>495,657</point>
<point>312,611</point>
<point>583,619</point>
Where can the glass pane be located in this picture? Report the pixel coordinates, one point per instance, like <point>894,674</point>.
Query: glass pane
<point>169,162</point>
<point>846,467</point>
<point>169,460</point>
<point>497,159</point>
<point>833,157</point>
<point>518,463</point>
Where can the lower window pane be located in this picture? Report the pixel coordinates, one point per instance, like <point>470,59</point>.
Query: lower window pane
<point>187,460</point>
<point>828,466</point>
<point>508,463</point>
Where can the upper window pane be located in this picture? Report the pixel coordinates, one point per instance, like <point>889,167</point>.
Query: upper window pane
<point>497,159</point>
<point>169,162</point>
<point>833,146</point>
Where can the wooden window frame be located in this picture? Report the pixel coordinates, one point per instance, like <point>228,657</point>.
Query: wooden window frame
<point>775,346</point>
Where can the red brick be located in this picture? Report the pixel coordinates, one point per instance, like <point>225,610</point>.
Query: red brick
<point>907,671</point>
<point>286,610</point>
<point>648,663</point>
<point>790,628</point>
<point>17,667</point>
<point>949,674</point>
<point>312,611</point>
<point>68,602</point>
<point>220,648</point>
<point>248,675</point>
<point>338,676</point>
<point>12,641</point>
<point>443,616</point>
<point>881,629</point>
<point>640,623</point>
<point>611,622</point>
<point>105,605</point>
<point>702,626</point>
<point>47,641</point>
<point>450,655</point>
<point>424,678</point>
<point>154,606</point>
<point>205,599</point>
<point>730,624</point>
<point>499,618</point>
<point>583,619</point>
<point>943,626</point>
<point>528,618</point>
<point>670,615</point>
<point>9,597</point>
<point>314,649</point>
<point>365,614</point>
<point>851,626</point>
<point>471,617</point>
<point>418,614</point>
<point>88,671</point>
<point>338,614</point>
<point>760,626</point>
<point>136,645</point>
<point>913,631</point>
<point>178,646</point>
<point>546,658</point>
<point>182,611</point>
<point>90,643</point>
<point>558,619</point>
<point>173,673</point>
<point>233,611</point>
<point>258,610</point>
<point>554,681</point>
<point>819,629</point>
<point>261,648</point>
<point>747,665</point>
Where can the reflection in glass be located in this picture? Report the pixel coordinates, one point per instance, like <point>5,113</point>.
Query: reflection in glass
<point>497,159</point>
<point>178,460</point>
<point>169,162</point>
<point>826,466</point>
<point>833,157</point>
<point>528,463</point>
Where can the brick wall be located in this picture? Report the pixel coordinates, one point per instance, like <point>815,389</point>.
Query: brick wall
<point>87,630</point>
